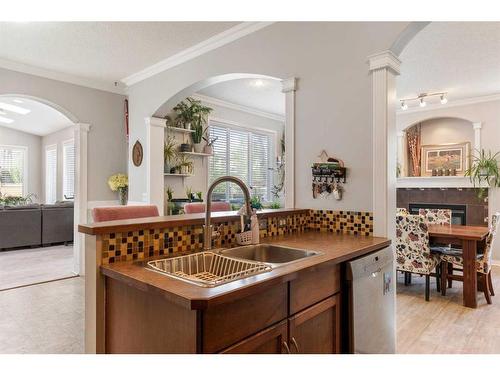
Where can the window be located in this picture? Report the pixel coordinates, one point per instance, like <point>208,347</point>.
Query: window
<point>242,153</point>
<point>69,169</point>
<point>12,171</point>
<point>50,174</point>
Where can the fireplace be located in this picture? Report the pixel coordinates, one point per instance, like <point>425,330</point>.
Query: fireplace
<point>466,208</point>
<point>458,211</point>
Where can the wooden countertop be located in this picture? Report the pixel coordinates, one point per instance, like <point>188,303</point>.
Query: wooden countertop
<point>335,247</point>
<point>175,220</point>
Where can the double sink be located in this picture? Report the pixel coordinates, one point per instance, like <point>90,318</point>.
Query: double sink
<point>213,268</point>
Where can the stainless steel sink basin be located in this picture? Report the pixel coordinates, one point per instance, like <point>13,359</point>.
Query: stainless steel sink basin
<point>267,253</point>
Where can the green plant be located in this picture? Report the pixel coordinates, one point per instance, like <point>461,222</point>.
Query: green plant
<point>275,205</point>
<point>484,168</point>
<point>8,200</point>
<point>189,193</point>
<point>184,161</point>
<point>169,193</point>
<point>280,171</point>
<point>170,153</point>
<point>192,111</point>
<point>256,202</point>
<point>199,195</point>
<point>209,140</point>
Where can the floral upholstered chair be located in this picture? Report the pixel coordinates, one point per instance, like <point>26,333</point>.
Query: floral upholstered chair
<point>413,254</point>
<point>436,215</point>
<point>483,262</point>
<point>401,211</point>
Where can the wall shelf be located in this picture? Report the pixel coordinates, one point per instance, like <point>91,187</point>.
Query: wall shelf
<point>195,153</point>
<point>179,130</point>
<point>178,174</point>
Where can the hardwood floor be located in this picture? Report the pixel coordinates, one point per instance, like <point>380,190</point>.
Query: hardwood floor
<point>443,325</point>
<point>30,266</point>
<point>43,318</point>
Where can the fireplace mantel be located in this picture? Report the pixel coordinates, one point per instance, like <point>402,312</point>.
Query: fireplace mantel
<point>435,182</point>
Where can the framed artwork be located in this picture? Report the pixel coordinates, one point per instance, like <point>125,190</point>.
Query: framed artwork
<point>137,154</point>
<point>454,156</point>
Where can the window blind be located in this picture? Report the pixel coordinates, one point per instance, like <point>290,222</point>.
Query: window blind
<point>242,153</point>
<point>51,174</point>
<point>12,170</point>
<point>69,170</point>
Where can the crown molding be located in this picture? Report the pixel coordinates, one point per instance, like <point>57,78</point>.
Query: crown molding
<point>450,104</point>
<point>58,76</point>
<point>238,107</point>
<point>216,41</point>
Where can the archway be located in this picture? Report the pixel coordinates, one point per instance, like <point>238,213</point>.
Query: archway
<point>79,132</point>
<point>156,126</point>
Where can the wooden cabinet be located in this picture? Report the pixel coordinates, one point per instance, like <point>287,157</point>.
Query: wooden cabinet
<point>273,340</point>
<point>316,330</point>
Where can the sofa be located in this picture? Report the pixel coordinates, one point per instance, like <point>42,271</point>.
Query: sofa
<point>36,225</point>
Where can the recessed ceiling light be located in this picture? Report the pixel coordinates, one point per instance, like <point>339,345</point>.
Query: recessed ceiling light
<point>6,120</point>
<point>14,108</point>
<point>258,83</point>
<point>18,101</point>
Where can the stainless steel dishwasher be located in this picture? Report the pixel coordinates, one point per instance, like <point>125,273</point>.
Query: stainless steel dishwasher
<point>371,301</point>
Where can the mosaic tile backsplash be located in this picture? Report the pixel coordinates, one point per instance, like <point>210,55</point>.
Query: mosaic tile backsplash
<point>149,243</point>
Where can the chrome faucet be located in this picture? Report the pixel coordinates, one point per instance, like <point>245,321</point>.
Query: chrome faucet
<point>207,229</point>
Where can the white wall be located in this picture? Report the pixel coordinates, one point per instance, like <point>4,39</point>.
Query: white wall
<point>33,144</point>
<point>199,181</point>
<point>488,113</point>
<point>333,101</point>
<point>446,130</point>
<point>57,138</point>
<point>107,145</point>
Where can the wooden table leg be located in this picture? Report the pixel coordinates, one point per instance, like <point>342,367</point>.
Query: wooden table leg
<point>470,273</point>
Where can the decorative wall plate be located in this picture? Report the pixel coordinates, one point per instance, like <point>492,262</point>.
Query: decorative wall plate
<point>137,154</point>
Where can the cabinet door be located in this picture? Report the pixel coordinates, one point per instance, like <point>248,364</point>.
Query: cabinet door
<point>272,340</point>
<point>316,330</point>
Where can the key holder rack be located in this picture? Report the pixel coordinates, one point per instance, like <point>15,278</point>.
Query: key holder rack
<point>328,175</point>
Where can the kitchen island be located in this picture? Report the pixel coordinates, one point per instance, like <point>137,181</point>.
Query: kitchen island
<point>294,308</point>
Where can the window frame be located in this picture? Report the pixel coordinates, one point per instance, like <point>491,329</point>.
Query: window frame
<point>64,144</point>
<point>50,148</point>
<point>25,164</point>
<point>273,134</point>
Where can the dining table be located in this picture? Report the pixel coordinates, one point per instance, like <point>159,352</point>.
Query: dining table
<point>471,239</point>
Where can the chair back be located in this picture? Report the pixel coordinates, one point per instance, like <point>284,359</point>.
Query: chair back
<point>495,220</point>
<point>100,214</point>
<point>412,245</point>
<point>195,208</point>
<point>440,216</point>
<point>401,211</point>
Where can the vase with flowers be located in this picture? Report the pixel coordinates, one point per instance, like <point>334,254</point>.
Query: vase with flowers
<point>119,182</point>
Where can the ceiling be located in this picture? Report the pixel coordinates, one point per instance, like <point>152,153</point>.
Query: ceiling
<point>104,52</point>
<point>41,120</point>
<point>462,58</point>
<point>261,94</point>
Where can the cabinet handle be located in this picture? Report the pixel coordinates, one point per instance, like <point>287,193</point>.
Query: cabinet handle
<point>286,347</point>
<point>294,342</point>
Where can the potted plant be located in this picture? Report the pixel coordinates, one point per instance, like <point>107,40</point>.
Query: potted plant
<point>484,168</point>
<point>119,182</point>
<point>199,195</point>
<point>170,154</point>
<point>185,165</point>
<point>170,205</point>
<point>189,193</point>
<point>208,149</point>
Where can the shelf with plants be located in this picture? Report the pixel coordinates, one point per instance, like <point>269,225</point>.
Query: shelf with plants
<point>178,174</point>
<point>179,130</point>
<point>195,153</point>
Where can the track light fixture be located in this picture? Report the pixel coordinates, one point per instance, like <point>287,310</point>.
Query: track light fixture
<point>422,102</point>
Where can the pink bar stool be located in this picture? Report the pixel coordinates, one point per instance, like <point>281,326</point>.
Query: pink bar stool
<point>196,208</point>
<point>100,214</point>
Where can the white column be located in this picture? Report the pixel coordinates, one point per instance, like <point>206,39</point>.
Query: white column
<point>402,153</point>
<point>81,199</point>
<point>477,137</point>
<point>155,182</point>
<point>288,87</point>
<point>384,68</point>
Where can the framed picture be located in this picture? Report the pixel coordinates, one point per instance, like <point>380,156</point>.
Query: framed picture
<point>454,156</point>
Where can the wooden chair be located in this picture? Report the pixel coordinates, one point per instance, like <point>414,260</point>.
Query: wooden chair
<point>483,264</point>
<point>413,254</point>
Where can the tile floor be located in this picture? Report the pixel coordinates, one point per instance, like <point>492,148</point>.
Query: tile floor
<point>443,325</point>
<point>43,318</point>
<point>29,266</point>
